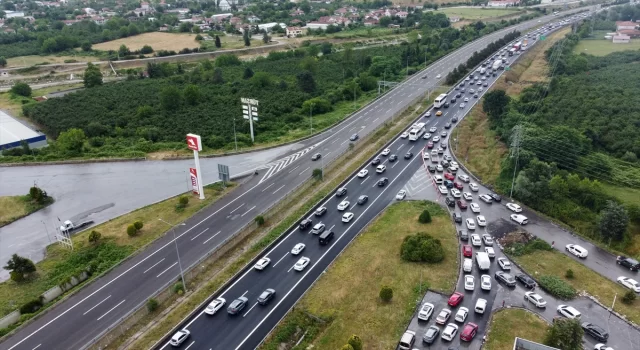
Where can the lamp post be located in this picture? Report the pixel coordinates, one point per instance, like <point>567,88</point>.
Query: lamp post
<point>311,117</point>
<point>45,227</point>
<point>173,229</point>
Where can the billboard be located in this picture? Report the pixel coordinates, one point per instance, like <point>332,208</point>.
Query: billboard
<point>194,180</point>
<point>193,142</point>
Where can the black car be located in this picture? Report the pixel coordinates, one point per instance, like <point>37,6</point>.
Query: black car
<point>493,74</point>
<point>341,191</point>
<point>408,155</point>
<point>462,84</point>
<point>266,296</point>
<point>363,199</point>
<point>305,224</point>
<point>431,168</point>
<point>443,145</point>
<point>526,280</point>
<point>505,278</point>
<point>393,158</point>
<point>320,211</point>
<point>629,263</point>
<point>453,100</point>
<point>316,156</point>
<point>450,201</point>
<point>457,217</point>
<point>375,161</point>
<point>431,334</point>
<point>458,95</point>
<point>457,87</point>
<point>237,306</point>
<point>454,119</point>
<point>446,105</point>
<point>595,331</point>
<point>475,95</point>
<point>447,126</point>
<point>496,197</point>
<point>354,137</point>
<point>461,90</point>
<point>383,182</point>
<point>464,235</point>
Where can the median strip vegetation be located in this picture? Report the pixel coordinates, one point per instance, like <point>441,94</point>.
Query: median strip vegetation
<point>506,324</point>
<point>13,208</point>
<point>347,299</point>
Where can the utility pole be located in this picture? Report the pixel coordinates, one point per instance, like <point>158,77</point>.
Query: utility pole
<point>516,138</point>
<point>311,117</point>
<point>173,229</point>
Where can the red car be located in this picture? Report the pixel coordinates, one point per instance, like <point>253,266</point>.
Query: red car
<point>469,331</point>
<point>466,251</point>
<point>429,144</point>
<point>455,299</point>
<point>449,176</point>
<point>457,185</point>
<point>462,204</point>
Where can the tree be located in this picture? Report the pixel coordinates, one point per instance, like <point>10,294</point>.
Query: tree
<point>386,294</point>
<point>3,61</point>
<point>306,82</point>
<point>192,94</point>
<point>247,40</point>
<point>317,174</point>
<point>425,217</point>
<point>217,76</point>
<point>248,73</point>
<point>131,230</point>
<point>170,98</point>
<point>71,140</point>
<point>259,220</point>
<point>86,46</point>
<point>422,248</point>
<point>613,221</point>
<point>123,51</point>
<point>199,37</point>
<point>92,76</point>
<point>495,103</point>
<point>146,50</point>
<point>152,305</point>
<point>218,43</point>
<point>94,236</point>
<point>355,342</point>
<point>19,267</point>
<point>265,38</point>
<point>36,194</point>
<point>629,297</point>
<point>138,225</point>
<point>21,89</point>
<point>565,334</point>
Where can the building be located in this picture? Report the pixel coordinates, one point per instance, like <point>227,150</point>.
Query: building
<point>503,3</point>
<point>221,17</point>
<point>293,32</point>
<point>317,25</point>
<point>621,39</point>
<point>523,344</point>
<point>620,25</point>
<point>268,26</point>
<point>13,14</point>
<point>253,19</point>
<point>13,133</point>
<point>632,33</point>
<point>454,19</point>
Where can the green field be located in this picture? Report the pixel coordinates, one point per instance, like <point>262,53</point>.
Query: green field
<point>510,323</point>
<point>603,47</point>
<point>478,13</point>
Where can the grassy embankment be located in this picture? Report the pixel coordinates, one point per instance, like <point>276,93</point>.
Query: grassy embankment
<point>13,208</point>
<point>346,296</point>
<point>507,324</point>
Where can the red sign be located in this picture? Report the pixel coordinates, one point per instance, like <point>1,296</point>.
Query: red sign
<point>193,142</point>
<point>194,180</point>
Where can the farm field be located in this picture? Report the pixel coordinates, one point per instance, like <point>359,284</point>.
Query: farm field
<point>603,47</point>
<point>478,13</point>
<point>157,40</point>
<point>27,61</point>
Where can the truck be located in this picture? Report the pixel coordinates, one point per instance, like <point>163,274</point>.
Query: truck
<point>512,51</point>
<point>517,45</point>
<point>68,226</point>
<point>496,65</point>
<point>482,259</point>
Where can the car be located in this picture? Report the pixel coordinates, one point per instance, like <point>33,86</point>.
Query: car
<point>464,235</point>
<point>341,191</point>
<point>449,176</point>
<point>401,194</point>
<point>425,155</point>
<point>305,224</point>
<point>466,99</point>
<point>469,282</point>
<point>481,305</point>
<point>346,217</point>
<point>364,172</point>
<point>595,331</point>
<point>466,251</point>
<point>462,204</point>
<point>455,193</point>
<point>490,252</point>
<point>467,196</point>
<point>485,84</point>
<point>440,149</point>
<point>443,189</point>
<point>525,280</point>
<point>446,105</point>
<point>381,169</point>
<point>425,311</point>
<point>475,240</point>
<point>214,306</point>
<point>504,264</point>
<point>430,145</point>
<point>450,201</point>
<point>431,334</point>
<point>444,134</point>
<point>449,332</point>
<point>474,207</point>
<point>426,136</point>
<point>424,76</point>
<point>464,178</point>
<point>535,299</point>
<point>363,199</point>
<point>438,76</point>
<point>354,137</point>
<point>454,119</point>
<point>433,129</point>
<point>505,278</point>
<point>179,337</point>
<point>301,264</point>
<point>266,296</point>
<point>428,114</point>
<point>455,299</point>
<point>471,224</point>
<point>318,228</point>
<point>316,156</point>
<point>431,168</point>
<point>408,155</point>
<point>407,340</point>
<point>436,138</point>
<point>298,248</point>
<point>438,113</point>
<point>629,283</point>
<point>485,282</point>
<point>375,161</point>
<point>237,306</point>
<point>383,182</point>
<point>486,198</point>
<point>514,207</point>
<point>443,316</point>
<point>462,314</point>
<point>439,168</point>
<point>404,135</point>
<point>629,263</point>
<point>602,347</point>
<point>519,218</point>
<point>456,184</point>
<point>457,218</point>
<point>262,263</point>
<point>495,197</point>
<point>452,100</point>
<point>320,211</point>
<point>393,158</point>
<point>344,205</point>
<point>472,91</point>
<point>487,239</point>
<point>577,250</point>
<point>473,186</point>
<point>385,152</point>
<point>469,331</point>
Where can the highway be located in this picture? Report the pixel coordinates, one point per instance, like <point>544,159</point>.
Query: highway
<point>76,322</point>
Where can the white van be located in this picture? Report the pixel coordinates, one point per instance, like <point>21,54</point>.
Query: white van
<point>467,266</point>
<point>438,179</point>
<point>481,304</point>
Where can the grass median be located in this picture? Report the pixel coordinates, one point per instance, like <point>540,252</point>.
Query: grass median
<point>507,324</point>
<point>13,208</point>
<point>345,300</point>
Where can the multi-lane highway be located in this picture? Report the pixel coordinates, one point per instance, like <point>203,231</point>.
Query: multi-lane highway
<point>76,322</point>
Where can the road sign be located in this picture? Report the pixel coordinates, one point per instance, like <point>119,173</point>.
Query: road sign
<point>542,37</point>
<point>194,143</point>
<point>507,68</point>
<point>194,180</point>
<point>223,173</point>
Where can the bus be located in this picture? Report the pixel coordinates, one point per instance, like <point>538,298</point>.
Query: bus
<point>440,100</point>
<point>417,131</point>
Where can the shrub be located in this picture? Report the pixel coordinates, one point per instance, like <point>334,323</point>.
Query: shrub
<point>557,287</point>
<point>386,294</point>
<point>36,194</point>
<point>152,305</point>
<point>422,248</point>
<point>629,297</point>
<point>183,200</point>
<point>425,217</point>
<point>259,220</point>
<point>94,236</point>
<point>19,267</point>
<point>21,89</point>
<point>317,174</point>
<point>16,276</point>
<point>347,347</point>
<point>138,225</point>
<point>519,249</point>
<point>178,288</point>
<point>569,274</point>
<point>31,307</point>
<point>355,342</point>
<point>131,230</point>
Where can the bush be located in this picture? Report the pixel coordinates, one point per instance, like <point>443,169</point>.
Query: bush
<point>138,225</point>
<point>422,248</point>
<point>183,200</point>
<point>178,288</point>
<point>131,230</point>
<point>259,220</point>
<point>425,217</point>
<point>557,287</point>
<point>16,276</point>
<point>21,89</point>
<point>31,307</point>
<point>355,342</point>
<point>317,174</point>
<point>94,236</point>
<point>152,305</point>
<point>569,274</point>
<point>386,294</point>
<point>519,249</point>
<point>629,297</point>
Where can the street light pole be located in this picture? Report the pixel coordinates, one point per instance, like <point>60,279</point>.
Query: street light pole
<point>173,229</point>
<point>45,227</point>
<point>311,117</point>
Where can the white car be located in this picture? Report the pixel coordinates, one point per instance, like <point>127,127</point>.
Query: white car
<point>519,218</point>
<point>504,264</point>
<point>347,217</point>
<point>443,189</point>
<point>488,240</point>
<point>601,346</point>
<point>514,207</point>
<point>425,311</point>
<point>455,193</point>
<point>482,222</point>
<point>485,282</point>
<point>214,306</point>
<point>471,225</point>
<point>438,76</point>
<point>381,168</point>
<point>486,198</point>
<point>629,283</point>
<point>577,250</point>
<point>568,311</point>
<point>401,194</point>
<point>481,305</point>
<point>433,129</point>
<point>436,138</point>
<point>467,196</point>
<point>453,163</point>
<point>386,152</point>
<point>343,205</point>
<point>450,332</point>
<point>462,314</point>
<point>474,207</point>
<point>262,263</point>
<point>490,252</point>
<point>439,168</point>
<point>464,178</point>
<point>474,187</point>
<point>363,173</point>
<point>535,299</point>
<point>298,248</point>
<point>404,135</point>
<point>180,337</point>
<point>301,264</point>
<point>443,316</point>
<point>475,240</point>
<point>469,282</point>
<point>425,155</point>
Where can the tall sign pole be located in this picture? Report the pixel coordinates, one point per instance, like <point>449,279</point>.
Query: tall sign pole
<point>194,143</point>
<point>250,112</point>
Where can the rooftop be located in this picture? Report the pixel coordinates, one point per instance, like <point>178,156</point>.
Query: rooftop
<point>11,130</point>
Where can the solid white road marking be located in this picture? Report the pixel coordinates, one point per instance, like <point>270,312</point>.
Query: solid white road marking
<point>277,262</point>
<point>96,305</point>
<point>167,269</point>
<point>247,212</point>
<point>365,179</point>
<point>154,265</point>
<point>113,308</point>
<point>212,237</point>
<point>248,311</point>
<point>198,235</point>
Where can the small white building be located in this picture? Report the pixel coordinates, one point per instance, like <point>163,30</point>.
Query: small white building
<point>621,25</point>
<point>621,39</point>
<point>317,25</point>
<point>13,14</point>
<point>503,3</point>
<point>293,32</point>
<point>221,17</point>
<point>269,26</point>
